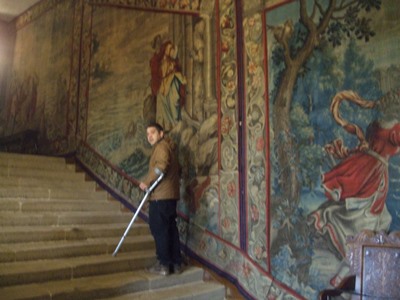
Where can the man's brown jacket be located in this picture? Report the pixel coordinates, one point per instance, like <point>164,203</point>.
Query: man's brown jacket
<point>164,157</point>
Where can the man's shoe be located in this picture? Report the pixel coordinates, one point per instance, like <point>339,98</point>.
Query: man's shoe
<point>159,269</point>
<point>178,269</point>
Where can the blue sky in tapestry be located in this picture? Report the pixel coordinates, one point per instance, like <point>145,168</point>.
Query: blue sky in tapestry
<point>366,63</point>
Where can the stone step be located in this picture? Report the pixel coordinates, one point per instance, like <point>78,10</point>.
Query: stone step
<point>24,234</point>
<point>64,218</point>
<point>117,284</point>
<point>9,161</point>
<point>199,290</point>
<point>39,271</point>
<point>63,249</point>
<point>13,160</point>
<point>58,233</point>
<point>47,193</point>
<point>60,175</point>
<point>51,183</point>
<point>31,205</point>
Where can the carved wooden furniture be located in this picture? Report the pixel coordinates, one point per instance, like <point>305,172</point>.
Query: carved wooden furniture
<point>374,260</point>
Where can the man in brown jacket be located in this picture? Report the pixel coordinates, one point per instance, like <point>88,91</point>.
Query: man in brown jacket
<point>163,201</point>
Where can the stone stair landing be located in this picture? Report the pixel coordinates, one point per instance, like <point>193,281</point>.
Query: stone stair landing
<point>58,232</point>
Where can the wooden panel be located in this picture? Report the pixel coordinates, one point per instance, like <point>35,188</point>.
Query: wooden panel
<point>380,276</point>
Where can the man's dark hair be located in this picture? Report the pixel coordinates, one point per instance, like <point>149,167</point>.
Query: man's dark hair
<point>156,126</point>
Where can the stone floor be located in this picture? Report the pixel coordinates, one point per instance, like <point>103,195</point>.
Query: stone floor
<point>232,293</point>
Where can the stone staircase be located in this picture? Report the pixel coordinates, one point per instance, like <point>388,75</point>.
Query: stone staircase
<point>57,235</point>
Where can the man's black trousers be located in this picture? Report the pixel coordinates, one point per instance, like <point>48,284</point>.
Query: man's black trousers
<point>162,221</point>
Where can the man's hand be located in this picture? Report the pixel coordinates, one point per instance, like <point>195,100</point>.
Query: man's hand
<point>143,186</point>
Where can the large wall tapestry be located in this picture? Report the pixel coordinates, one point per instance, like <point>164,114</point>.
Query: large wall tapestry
<point>165,73</point>
<point>121,90</point>
<point>38,94</point>
<point>333,81</point>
